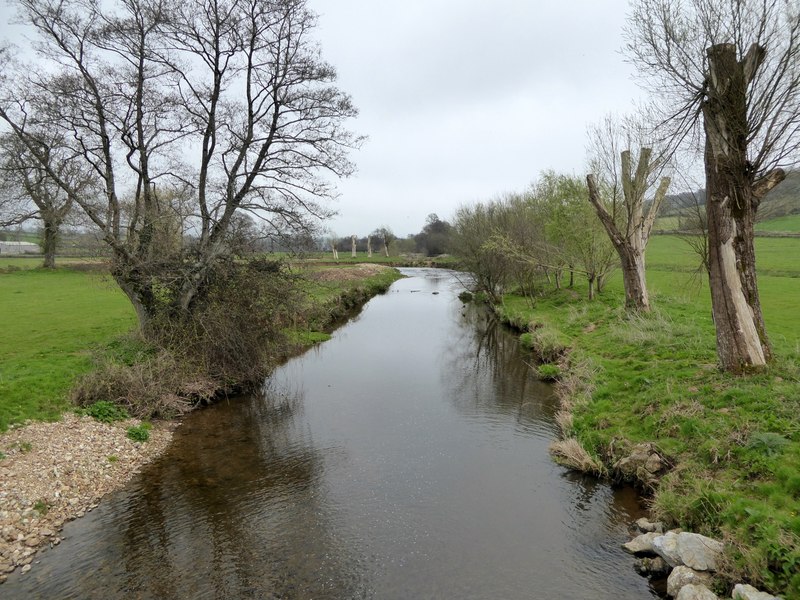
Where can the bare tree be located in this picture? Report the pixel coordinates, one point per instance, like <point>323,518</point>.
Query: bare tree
<point>386,234</point>
<point>733,67</point>
<point>334,239</point>
<point>625,185</point>
<point>136,84</point>
<point>28,192</point>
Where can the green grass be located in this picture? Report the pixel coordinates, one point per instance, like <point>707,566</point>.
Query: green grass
<point>788,224</point>
<point>666,224</point>
<point>48,323</point>
<point>735,440</point>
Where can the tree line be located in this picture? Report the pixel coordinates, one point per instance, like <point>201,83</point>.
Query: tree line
<point>725,84</point>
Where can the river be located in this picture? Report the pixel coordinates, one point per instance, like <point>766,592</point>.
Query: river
<point>406,458</point>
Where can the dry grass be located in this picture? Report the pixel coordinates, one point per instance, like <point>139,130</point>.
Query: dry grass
<point>570,453</point>
<point>348,273</point>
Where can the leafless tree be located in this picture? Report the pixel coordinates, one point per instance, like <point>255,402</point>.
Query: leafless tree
<point>134,84</point>
<point>385,233</point>
<point>28,192</point>
<point>734,68</point>
<point>624,186</point>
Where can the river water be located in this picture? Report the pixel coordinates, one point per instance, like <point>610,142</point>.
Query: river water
<point>406,458</point>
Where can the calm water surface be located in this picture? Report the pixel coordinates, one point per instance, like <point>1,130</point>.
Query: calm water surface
<point>406,458</point>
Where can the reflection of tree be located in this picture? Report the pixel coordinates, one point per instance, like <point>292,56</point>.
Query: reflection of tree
<point>493,374</point>
<point>235,509</point>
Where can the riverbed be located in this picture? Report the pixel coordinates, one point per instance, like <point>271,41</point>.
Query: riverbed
<point>404,458</point>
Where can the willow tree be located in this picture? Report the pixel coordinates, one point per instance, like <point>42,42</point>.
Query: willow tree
<point>623,185</point>
<point>231,98</point>
<point>728,72</point>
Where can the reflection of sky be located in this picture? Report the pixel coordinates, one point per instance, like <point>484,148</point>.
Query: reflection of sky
<point>404,458</point>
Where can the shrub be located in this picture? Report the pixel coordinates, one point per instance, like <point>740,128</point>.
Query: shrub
<point>139,433</point>
<point>105,411</point>
<point>161,387</point>
<point>234,332</point>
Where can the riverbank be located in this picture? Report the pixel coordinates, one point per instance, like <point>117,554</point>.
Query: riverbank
<point>53,472</point>
<point>718,454</point>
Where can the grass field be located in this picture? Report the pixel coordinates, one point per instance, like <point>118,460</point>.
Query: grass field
<point>48,323</point>
<point>735,440</point>
<point>789,224</point>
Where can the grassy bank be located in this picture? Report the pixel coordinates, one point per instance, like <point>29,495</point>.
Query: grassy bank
<point>734,441</point>
<point>56,325</point>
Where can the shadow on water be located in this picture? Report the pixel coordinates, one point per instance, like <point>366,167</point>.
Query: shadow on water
<point>405,458</point>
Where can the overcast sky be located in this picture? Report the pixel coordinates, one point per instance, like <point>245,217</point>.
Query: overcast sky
<point>464,99</point>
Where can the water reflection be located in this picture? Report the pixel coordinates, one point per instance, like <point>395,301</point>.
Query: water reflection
<point>494,374</point>
<point>405,458</point>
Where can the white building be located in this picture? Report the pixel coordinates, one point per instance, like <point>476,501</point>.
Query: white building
<point>19,248</point>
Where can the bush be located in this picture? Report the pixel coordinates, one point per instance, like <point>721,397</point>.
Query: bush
<point>231,338</point>
<point>234,333</point>
<point>105,411</point>
<point>139,433</point>
<point>159,387</point>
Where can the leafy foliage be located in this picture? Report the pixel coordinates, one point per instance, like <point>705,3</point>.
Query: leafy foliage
<point>139,433</point>
<point>105,411</point>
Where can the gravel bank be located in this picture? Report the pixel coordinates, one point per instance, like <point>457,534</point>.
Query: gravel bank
<point>55,472</point>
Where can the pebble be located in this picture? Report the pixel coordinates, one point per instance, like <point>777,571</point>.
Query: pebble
<point>63,476</point>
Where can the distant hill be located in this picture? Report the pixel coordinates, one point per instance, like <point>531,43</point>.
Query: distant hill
<point>783,200</point>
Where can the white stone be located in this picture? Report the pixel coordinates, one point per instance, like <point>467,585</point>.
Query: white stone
<point>666,546</point>
<point>696,551</point>
<point>696,592</point>
<point>646,526</point>
<point>743,591</point>
<point>683,575</point>
<point>641,544</point>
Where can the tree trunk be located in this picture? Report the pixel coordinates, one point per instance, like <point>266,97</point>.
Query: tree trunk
<point>633,275</point>
<point>591,287</point>
<point>49,242</point>
<point>137,298</point>
<point>730,209</point>
<point>631,244</point>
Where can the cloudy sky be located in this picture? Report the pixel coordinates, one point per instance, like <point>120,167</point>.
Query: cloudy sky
<point>464,99</point>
